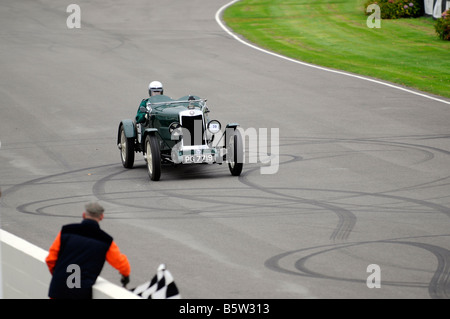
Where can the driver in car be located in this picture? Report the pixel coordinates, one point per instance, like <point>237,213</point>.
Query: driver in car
<point>154,88</point>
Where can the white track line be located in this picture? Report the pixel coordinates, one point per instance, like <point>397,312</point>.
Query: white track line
<point>222,25</point>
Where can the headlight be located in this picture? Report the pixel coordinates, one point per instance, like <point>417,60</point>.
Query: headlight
<point>214,126</point>
<point>174,126</point>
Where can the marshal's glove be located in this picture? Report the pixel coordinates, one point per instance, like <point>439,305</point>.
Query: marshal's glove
<point>125,280</point>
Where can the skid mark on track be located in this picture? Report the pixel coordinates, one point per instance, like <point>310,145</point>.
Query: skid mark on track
<point>438,287</point>
<point>135,197</point>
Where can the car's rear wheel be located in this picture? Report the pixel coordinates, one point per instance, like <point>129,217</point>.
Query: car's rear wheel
<point>235,153</point>
<point>153,157</point>
<point>126,147</point>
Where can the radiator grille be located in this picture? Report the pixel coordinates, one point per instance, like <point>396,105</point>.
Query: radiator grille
<point>193,124</point>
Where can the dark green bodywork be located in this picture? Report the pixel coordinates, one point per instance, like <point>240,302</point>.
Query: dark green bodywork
<point>178,132</point>
<point>164,111</point>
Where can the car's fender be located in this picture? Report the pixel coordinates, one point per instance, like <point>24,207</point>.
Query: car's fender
<point>232,125</point>
<point>150,130</point>
<point>128,126</point>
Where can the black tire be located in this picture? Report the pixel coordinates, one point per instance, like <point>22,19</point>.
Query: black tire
<point>152,157</point>
<point>126,147</point>
<point>235,153</point>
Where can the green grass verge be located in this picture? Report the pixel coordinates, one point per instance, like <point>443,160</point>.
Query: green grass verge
<point>335,34</point>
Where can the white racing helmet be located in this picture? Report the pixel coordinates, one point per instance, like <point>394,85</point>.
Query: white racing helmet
<point>155,86</point>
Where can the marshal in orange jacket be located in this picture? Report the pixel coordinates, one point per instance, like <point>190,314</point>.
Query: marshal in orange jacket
<point>86,246</point>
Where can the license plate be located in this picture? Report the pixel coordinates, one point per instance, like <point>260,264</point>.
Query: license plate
<point>199,158</point>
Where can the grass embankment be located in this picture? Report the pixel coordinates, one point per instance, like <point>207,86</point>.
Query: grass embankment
<point>335,34</point>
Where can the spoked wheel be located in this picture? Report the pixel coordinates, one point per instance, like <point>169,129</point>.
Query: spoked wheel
<point>235,153</point>
<point>126,147</point>
<point>153,157</point>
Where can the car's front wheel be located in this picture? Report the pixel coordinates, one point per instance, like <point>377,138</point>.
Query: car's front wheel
<point>153,157</point>
<point>235,153</point>
<point>126,147</point>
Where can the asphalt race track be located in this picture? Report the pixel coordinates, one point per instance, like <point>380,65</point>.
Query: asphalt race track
<point>363,174</point>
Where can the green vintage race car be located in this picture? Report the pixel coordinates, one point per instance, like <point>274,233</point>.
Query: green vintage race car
<point>179,132</point>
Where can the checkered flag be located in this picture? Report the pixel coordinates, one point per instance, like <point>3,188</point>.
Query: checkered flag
<point>161,286</point>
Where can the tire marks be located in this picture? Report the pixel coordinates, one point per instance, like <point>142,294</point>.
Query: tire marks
<point>438,287</point>
<point>130,190</point>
